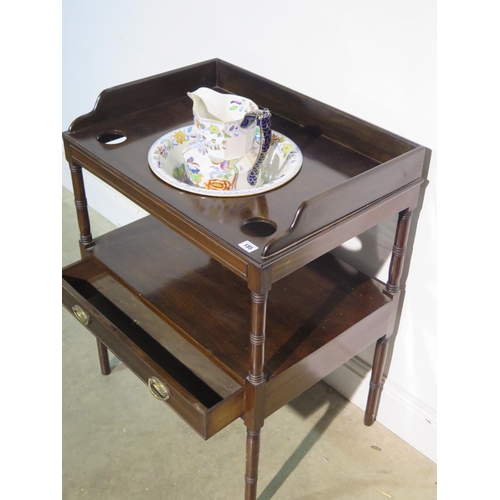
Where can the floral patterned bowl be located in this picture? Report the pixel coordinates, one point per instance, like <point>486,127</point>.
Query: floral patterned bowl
<point>166,159</point>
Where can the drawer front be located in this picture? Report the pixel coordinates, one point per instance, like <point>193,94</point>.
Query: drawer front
<point>160,382</point>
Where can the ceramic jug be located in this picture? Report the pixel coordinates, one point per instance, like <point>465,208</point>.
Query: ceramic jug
<point>229,149</point>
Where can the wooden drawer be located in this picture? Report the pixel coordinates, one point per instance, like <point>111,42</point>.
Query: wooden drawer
<point>198,391</point>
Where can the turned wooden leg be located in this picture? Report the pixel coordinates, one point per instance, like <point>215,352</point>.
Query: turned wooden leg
<point>103,358</point>
<point>380,356</point>
<point>86,241</point>
<point>82,213</point>
<point>252,464</point>
<point>377,381</point>
<point>399,251</point>
<point>255,394</point>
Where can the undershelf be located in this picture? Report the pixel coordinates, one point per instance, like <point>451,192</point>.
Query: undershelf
<point>306,310</point>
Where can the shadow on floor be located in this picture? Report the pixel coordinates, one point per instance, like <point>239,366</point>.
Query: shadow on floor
<point>305,405</point>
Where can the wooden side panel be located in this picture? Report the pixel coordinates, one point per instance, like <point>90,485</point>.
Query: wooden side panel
<point>342,127</point>
<point>293,382</point>
<point>334,235</point>
<point>331,205</point>
<point>147,92</point>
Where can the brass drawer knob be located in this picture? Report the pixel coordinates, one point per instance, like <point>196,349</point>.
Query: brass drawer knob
<point>81,315</point>
<point>158,389</point>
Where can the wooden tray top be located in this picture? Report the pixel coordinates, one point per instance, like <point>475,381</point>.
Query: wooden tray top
<point>348,163</point>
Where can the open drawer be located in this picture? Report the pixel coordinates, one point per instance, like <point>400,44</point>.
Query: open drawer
<point>195,388</point>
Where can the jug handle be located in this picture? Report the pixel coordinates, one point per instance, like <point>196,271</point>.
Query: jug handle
<point>263,118</point>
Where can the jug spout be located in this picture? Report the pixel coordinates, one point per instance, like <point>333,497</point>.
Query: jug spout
<point>215,106</point>
<point>203,103</point>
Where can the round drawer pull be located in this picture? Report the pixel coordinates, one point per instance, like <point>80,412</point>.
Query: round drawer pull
<point>158,390</point>
<point>81,315</point>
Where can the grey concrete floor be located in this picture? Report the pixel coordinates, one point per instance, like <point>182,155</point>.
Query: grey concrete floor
<point>119,443</point>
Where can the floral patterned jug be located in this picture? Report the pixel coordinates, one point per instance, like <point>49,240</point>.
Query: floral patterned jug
<point>229,150</point>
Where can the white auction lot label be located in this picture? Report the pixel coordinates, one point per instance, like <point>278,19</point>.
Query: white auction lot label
<point>248,246</point>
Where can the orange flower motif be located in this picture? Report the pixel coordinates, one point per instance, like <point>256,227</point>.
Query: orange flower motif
<point>218,184</point>
<point>180,136</point>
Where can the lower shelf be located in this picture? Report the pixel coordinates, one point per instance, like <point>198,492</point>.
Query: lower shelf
<point>210,306</point>
<point>169,311</point>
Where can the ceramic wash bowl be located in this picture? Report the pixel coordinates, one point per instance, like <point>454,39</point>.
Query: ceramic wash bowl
<point>166,159</point>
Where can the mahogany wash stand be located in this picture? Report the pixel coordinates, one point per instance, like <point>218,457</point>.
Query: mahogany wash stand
<point>216,332</point>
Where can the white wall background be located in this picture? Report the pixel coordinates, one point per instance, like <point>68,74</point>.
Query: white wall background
<point>373,59</point>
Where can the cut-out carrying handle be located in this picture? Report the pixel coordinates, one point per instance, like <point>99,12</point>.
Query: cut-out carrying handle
<point>263,117</point>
